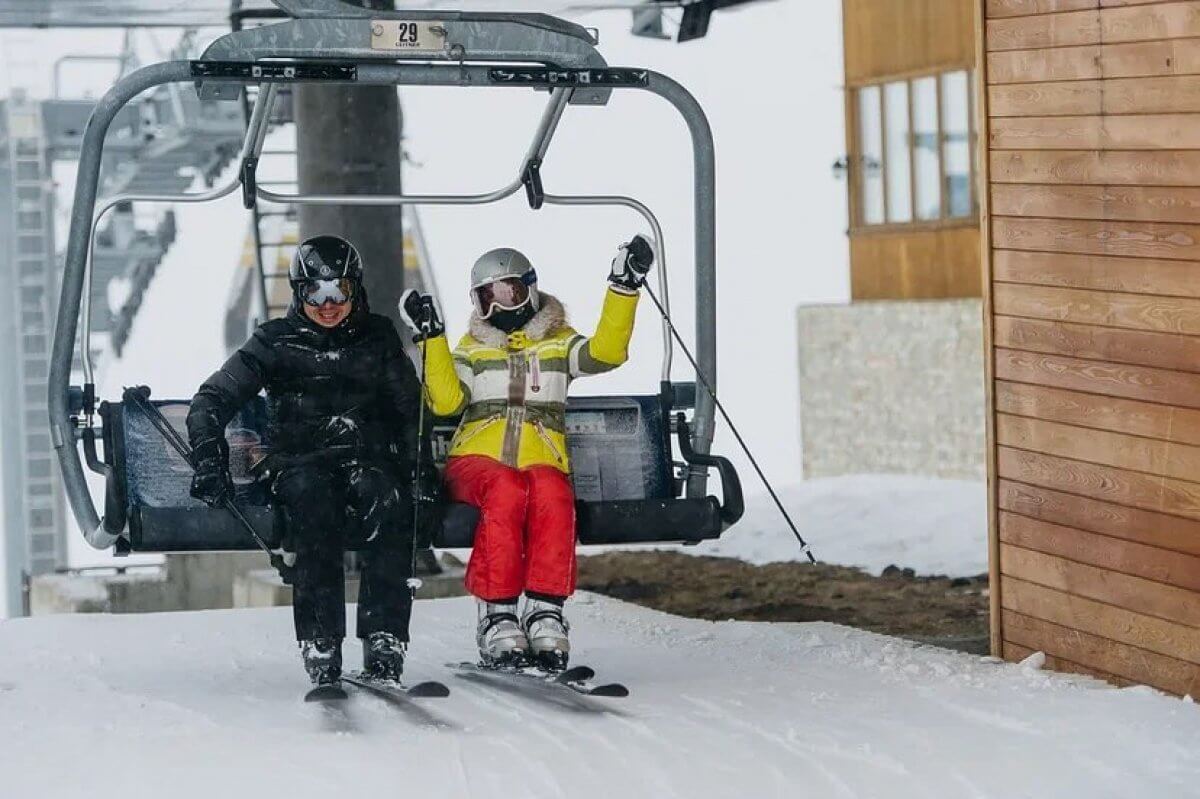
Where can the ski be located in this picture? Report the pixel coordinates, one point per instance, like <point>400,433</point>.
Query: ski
<point>431,689</point>
<point>326,693</point>
<point>575,678</point>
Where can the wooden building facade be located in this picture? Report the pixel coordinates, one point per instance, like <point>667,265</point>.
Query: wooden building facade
<point>912,148</point>
<point>1091,249</point>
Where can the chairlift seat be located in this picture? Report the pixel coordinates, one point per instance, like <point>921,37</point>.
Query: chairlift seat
<point>147,505</point>
<point>620,448</point>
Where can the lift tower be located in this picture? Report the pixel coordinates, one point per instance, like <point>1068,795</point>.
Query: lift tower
<point>348,140</point>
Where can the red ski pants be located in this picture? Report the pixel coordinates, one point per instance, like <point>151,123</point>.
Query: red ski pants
<point>525,540</point>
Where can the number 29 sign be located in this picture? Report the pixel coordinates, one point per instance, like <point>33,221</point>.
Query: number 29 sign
<point>408,36</point>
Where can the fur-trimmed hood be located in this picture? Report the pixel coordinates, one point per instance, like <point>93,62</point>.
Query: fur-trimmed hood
<point>551,317</point>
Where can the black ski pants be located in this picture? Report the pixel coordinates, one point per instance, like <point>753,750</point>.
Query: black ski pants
<point>326,504</point>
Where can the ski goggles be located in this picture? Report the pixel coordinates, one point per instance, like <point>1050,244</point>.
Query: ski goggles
<point>318,292</point>
<point>505,294</point>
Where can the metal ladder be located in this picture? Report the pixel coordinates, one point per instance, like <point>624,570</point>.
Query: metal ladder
<point>274,230</point>
<point>34,264</point>
<point>275,227</point>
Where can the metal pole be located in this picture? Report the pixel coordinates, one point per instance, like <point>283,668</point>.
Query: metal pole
<point>236,16</point>
<point>704,166</point>
<point>369,200</point>
<point>548,126</point>
<point>348,141</point>
<point>261,126</point>
<point>537,148</point>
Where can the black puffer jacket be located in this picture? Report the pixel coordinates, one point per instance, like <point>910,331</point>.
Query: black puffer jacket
<point>343,393</point>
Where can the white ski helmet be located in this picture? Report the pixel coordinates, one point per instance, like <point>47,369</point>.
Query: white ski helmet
<point>503,280</point>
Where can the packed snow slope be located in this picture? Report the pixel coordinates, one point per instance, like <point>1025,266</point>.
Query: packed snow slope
<point>208,705</point>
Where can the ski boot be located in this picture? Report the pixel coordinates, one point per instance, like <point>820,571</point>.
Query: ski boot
<point>383,657</point>
<point>501,640</point>
<point>547,632</point>
<point>323,660</point>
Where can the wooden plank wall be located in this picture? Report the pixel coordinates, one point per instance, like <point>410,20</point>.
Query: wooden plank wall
<point>1092,259</point>
<point>896,38</point>
<point>893,39</point>
<point>936,263</point>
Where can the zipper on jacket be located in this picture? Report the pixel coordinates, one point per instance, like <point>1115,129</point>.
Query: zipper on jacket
<point>484,423</point>
<point>510,450</point>
<point>535,372</point>
<point>510,453</point>
<point>541,431</point>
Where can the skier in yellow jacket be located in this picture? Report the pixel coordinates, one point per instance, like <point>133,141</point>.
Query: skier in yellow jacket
<point>509,377</point>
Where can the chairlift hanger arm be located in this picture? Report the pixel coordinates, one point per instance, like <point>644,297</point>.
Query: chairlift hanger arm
<point>63,427</point>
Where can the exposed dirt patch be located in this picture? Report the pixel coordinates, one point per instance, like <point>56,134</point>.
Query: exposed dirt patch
<point>952,611</point>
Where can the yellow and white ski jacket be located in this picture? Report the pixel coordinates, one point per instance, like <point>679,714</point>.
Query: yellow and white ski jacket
<point>512,388</point>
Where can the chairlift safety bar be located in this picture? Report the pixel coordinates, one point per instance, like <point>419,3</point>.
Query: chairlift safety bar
<point>533,51</point>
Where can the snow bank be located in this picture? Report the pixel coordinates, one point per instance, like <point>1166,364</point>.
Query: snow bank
<point>930,525</point>
<point>208,704</point>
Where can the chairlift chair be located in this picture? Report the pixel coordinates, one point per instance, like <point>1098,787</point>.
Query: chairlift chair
<point>629,484</point>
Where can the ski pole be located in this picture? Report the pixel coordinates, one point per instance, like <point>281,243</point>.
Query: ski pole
<point>414,582</point>
<point>140,397</point>
<point>725,415</point>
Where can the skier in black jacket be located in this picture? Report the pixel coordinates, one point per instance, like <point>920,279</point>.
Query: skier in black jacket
<point>343,403</point>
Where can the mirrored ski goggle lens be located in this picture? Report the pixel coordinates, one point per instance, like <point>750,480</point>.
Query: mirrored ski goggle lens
<point>319,292</point>
<point>503,294</point>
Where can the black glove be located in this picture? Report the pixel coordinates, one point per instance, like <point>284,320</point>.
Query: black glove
<point>267,467</point>
<point>427,486</point>
<point>420,312</point>
<point>632,264</point>
<point>211,484</point>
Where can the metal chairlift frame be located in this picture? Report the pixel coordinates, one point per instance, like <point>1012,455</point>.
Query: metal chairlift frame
<point>329,41</point>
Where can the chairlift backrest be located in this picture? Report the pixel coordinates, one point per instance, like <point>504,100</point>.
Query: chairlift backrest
<point>620,448</point>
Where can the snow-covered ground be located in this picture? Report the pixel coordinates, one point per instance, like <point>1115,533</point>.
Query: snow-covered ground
<point>927,524</point>
<point>208,704</point>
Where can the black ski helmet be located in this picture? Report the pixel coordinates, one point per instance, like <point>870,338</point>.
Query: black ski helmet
<point>325,258</point>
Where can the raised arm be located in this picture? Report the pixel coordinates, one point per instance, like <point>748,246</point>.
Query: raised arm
<point>608,347</point>
<point>448,376</point>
